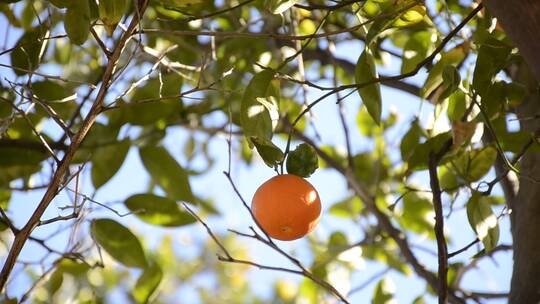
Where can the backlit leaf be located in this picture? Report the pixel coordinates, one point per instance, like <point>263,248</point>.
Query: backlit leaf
<point>416,49</point>
<point>147,283</point>
<point>280,6</point>
<point>483,221</point>
<point>384,292</point>
<point>107,160</point>
<point>420,155</point>
<point>492,57</point>
<point>270,153</point>
<point>369,90</point>
<point>29,48</point>
<point>258,111</point>
<point>167,173</point>
<point>435,77</point>
<point>119,242</point>
<point>410,140</point>
<point>157,210</point>
<point>77,21</point>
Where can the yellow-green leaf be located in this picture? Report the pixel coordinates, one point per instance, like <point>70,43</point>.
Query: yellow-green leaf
<point>483,221</point>
<point>368,88</point>
<point>147,283</point>
<point>258,111</point>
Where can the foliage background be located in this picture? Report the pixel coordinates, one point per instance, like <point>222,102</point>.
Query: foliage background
<point>186,255</point>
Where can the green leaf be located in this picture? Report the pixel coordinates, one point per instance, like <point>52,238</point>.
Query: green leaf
<point>5,196</point>
<point>397,17</point>
<point>61,3</point>
<point>366,125</point>
<point>270,153</point>
<point>377,27</point>
<point>181,3</point>
<point>468,167</point>
<point>29,48</point>
<point>13,156</point>
<point>492,57</point>
<point>14,172</point>
<point>451,80</point>
<point>147,283</point>
<point>258,111</point>
<point>99,135</point>
<point>370,168</point>
<point>514,141</point>
<point>167,173</point>
<point>347,208</point>
<point>280,6</point>
<point>420,156</point>
<point>77,21</point>
<point>153,102</point>
<point>416,215</point>
<point>51,91</point>
<point>435,76</point>
<point>107,160</point>
<point>157,210</point>
<point>483,221</point>
<point>55,282</point>
<point>412,16</point>
<point>410,140</point>
<point>515,93</point>
<point>111,12</point>
<point>448,179</point>
<point>302,161</point>
<point>384,292</point>
<point>119,242</point>
<point>415,50</point>
<point>9,14</point>
<point>494,99</point>
<point>73,268</point>
<point>480,162</point>
<point>457,105</point>
<point>365,73</point>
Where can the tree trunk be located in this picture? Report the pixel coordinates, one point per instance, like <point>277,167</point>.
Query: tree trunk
<point>521,21</point>
<point>525,218</point>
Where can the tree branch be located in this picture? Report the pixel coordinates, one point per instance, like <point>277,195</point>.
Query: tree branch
<point>442,249</point>
<point>23,235</point>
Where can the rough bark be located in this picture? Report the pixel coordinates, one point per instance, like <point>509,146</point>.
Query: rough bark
<point>525,286</point>
<point>521,21</point>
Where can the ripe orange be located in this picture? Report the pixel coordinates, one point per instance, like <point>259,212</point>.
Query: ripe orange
<point>287,207</point>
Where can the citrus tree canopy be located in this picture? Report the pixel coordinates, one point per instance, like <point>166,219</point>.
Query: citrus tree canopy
<point>133,134</point>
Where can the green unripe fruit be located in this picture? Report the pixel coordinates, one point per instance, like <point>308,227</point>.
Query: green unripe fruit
<point>302,161</point>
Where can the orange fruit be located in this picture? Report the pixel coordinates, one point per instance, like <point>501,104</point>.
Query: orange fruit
<point>287,207</point>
